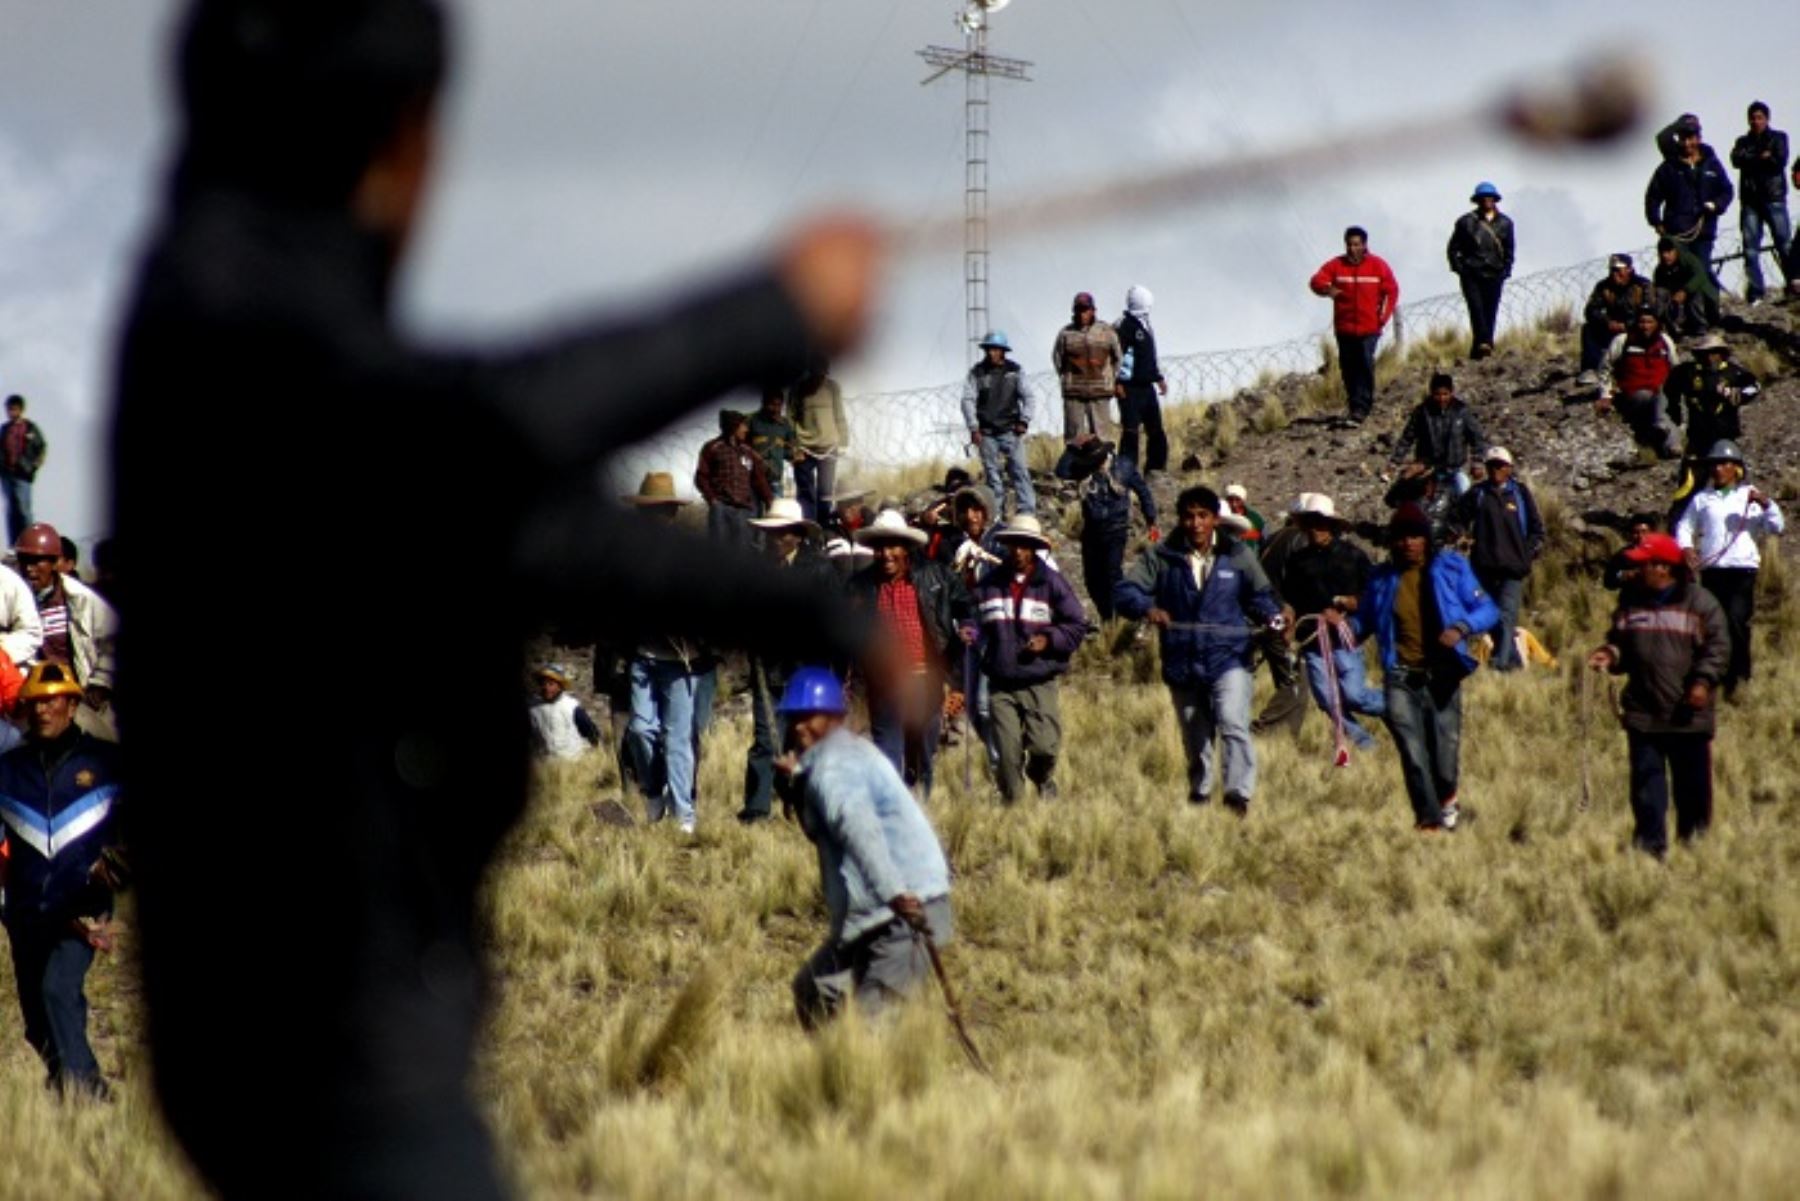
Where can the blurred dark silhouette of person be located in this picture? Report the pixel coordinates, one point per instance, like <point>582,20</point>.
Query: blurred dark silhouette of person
<point>309,898</point>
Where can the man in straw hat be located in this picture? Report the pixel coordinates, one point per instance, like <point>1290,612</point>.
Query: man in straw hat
<point>1502,517</point>
<point>1669,637</point>
<point>1031,624</point>
<point>791,543</point>
<point>1718,531</point>
<point>560,727</point>
<point>1424,605</point>
<point>1707,392</point>
<point>998,400</point>
<point>302,156</point>
<point>1323,579</point>
<point>917,607</point>
<point>1208,597</point>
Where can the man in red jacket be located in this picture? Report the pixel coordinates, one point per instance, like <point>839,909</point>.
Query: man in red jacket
<point>1637,368</point>
<point>1363,295</point>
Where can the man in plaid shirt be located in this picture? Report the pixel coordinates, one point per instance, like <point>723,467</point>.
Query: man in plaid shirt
<point>732,479</point>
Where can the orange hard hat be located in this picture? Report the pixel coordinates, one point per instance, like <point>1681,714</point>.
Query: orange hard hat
<point>40,539</point>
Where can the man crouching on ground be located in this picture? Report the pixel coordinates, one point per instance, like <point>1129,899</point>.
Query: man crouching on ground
<point>884,875</point>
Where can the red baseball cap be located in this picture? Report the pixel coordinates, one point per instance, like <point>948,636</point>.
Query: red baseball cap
<point>1656,548</point>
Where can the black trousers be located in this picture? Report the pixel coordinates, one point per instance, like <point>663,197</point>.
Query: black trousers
<point>1661,763</point>
<point>50,966</point>
<point>1735,590</point>
<point>1482,295</point>
<point>1142,408</point>
<point>1102,567</point>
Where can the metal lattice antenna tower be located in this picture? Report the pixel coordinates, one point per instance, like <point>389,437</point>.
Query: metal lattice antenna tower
<point>978,67</point>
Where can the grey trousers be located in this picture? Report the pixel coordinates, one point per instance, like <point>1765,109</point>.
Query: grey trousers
<point>1027,724</point>
<point>1089,417</point>
<point>877,970</point>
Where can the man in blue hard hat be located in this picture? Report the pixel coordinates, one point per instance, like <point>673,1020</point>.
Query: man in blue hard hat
<point>998,400</point>
<point>1481,255</point>
<point>885,879</point>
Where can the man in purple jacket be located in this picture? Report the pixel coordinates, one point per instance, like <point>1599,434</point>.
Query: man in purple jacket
<point>1031,623</point>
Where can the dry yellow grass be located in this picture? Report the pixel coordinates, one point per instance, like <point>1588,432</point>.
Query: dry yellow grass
<point>1312,1003</point>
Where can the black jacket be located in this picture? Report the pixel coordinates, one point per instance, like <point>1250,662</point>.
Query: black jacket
<point>1761,160</point>
<point>943,603</point>
<point>1509,532</point>
<point>1137,345</point>
<point>1445,439</point>
<point>1311,576</point>
<point>1482,248</point>
<point>379,770</point>
<point>1711,400</point>
<point>1678,193</point>
<point>997,404</point>
<point>1106,500</point>
<point>1611,301</point>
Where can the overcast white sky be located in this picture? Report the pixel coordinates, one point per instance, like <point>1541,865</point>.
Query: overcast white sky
<point>599,152</point>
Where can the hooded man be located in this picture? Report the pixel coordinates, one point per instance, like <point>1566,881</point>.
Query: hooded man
<point>1669,638</point>
<point>1717,533</point>
<point>732,479</point>
<point>998,401</point>
<point>1761,157</point>
<point>1687,283</point>
<point>1086,358</point>
<point>302,155</point>
<point>1364,295</point>
<point>1424,606</point>
<point>1481,257</point>
<point>1208,597</point>
<point>1141,384</point>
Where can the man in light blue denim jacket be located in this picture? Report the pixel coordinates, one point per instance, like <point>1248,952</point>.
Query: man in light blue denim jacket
<point>884,875</point>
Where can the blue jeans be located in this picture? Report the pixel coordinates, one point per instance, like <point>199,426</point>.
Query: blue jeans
<point>1507,594</point>
<point>18,506</point>
<point>1356,363</point>
<point>1751,221</point>
<point>50,966</point>
<point>664,700</point>
<point>730,524</point>
<point>814,482</point>
<point>904,726</point>
<point>1425,718</point>
<point>1012,447</point>
<point>1358,695</point>
<point>1216,707</point>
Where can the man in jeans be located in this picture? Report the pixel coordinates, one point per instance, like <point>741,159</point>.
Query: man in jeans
<point>998,401</point>
<point>822,432</point>
<point>732,479</point>
<point>1424,607</point>
<point>1761,157</point>
<point>22,450</point>
<point>1363,295</point>
<point>1502,515</point>
<point>1208,597</point>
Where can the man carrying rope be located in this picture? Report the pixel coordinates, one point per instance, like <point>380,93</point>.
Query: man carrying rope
<point>1208,597</point>
<point>1322,582</point>
<point>1688,194</point>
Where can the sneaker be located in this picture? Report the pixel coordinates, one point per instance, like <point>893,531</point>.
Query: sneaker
<point>1452,813</point>
<point>687,827</point>
<point>1588,379</point>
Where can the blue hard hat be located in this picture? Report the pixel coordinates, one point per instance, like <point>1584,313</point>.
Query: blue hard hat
<point>996,339</point>
<point>813,690</point>
<point>1484,188</point>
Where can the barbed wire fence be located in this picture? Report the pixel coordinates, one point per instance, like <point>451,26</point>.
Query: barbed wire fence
<point>896,430</point>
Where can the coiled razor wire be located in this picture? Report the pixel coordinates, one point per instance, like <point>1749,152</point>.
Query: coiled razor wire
<point>891,430</point>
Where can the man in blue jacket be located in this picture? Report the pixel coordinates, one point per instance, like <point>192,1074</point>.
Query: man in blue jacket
<point>884,876</point>
<point>1031,624</point>
<point>58,798</point>
<point>1687,196</point>
<point>1210,598</point>
<point>1424,607</point>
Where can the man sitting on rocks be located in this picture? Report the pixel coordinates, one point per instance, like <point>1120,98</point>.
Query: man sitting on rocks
<point>1611,308</point>
<point>1637,368</point>
<point>1441,435</point>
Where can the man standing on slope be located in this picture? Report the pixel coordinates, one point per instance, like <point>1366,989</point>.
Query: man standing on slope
<point>1761,156</point>
<point>1481,256</point>
<point>1363,295</point>
<point>1687,195</point>
<point>998,400</point>
<point>302,156</point>
<point>1718,532</point>
<point>1086,358</point>
<point>1141,385</point>
<point>1502,516</point>
<point>1207,597</point>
